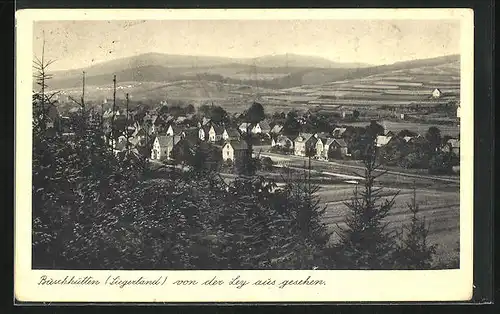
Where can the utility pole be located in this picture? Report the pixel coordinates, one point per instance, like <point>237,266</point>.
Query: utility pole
<point>126,123</point>
<point>83,92</point>
<point>113,114</point>
<point>102,116</point>
<point>42,75</point>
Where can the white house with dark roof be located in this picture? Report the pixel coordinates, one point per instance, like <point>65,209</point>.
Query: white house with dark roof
<point>234,150</point>
<point>277,129</point>
<point>337,147</point>
<point>338,132</point>
<point>282,141</point>
<point>174,130</point>
<point>230,134</point>
<point>244,126</point>
<point>203,133</point>
<point>215,133</point>
<point>436,93</point>
<point>382,140</point>
<point>320,146</point>
<point>261,127</point>
<point>204,122</point>
<point>163,146</point>
<point>303,143</point>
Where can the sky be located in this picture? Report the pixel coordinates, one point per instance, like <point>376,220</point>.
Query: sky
<point>79,44</point>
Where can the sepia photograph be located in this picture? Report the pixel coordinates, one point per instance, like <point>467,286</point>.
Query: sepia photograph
<point>245,144</point>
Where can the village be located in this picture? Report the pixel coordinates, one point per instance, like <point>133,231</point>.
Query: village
<point>160,134</point>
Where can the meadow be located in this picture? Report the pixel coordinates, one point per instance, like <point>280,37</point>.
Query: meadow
<point>440,209</point>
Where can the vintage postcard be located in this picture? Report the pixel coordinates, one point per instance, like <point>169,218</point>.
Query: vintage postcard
<point>244,155</point>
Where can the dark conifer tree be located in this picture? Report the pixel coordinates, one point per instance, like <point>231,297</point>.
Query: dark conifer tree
<point>365,242</point>
<point>414,250</point>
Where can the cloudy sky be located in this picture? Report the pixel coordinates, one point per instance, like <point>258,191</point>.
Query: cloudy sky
<point>77,44</point>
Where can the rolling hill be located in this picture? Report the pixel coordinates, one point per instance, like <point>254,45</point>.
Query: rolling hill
<point>277,72</point>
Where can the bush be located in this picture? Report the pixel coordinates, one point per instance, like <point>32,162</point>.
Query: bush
<point>267,164</point>
<point>440,163</point>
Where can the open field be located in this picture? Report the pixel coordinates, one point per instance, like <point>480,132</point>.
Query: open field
<point>440,209</point>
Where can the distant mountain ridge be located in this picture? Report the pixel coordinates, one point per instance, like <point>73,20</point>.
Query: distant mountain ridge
<point>275,71</point>
<point>184,61</point>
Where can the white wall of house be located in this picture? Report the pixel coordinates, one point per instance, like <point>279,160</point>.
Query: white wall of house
<point>156,151</point>
<point>436,93</point>
<point>300,148</point>
<point>326,149</point>
<point>201,134</point>
<point>319,148</point>
<point>227,152</point>
<point>211,135</point>
<point>256,129</point>
<point>170,131</point>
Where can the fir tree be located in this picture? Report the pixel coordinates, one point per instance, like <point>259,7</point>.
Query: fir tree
<point>414,251</point>
<point>365,242</point>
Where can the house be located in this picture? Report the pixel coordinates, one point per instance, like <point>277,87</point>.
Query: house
<point>277,129</point>
<point>180,120</point>
<point>169,119</point>
<point>324,135</point>
<point>282,141</point>
<point>303,143</point>
<point>320,146</point>
<point>163,146</point>
<point>244,127</point>
<point>453,146</point>
<point>159,125</point>
<point>174,130</point>
<point>234,150</point>
<point>261,127</point>
<point>382,140</point>
<point>230,134</point>
<point>407,139</point>
<point>335,147</point>
<point>204,122</point>
<point>203,133</point>
<point>149,121</point>
<point>436,93</point>
<point>139,134</point>
<point>347,114</point>
<point>215,133</point>
<point>338,132</point>
<point>388,133</point>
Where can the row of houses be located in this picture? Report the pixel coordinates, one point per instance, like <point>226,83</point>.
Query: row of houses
<point>322,145</point>
<point>325,145</point>
<point>164,145</point>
